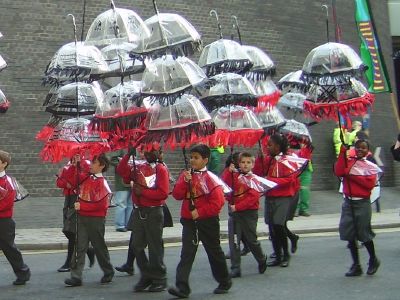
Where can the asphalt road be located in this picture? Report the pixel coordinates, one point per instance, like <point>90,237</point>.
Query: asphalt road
<point>316,272</point>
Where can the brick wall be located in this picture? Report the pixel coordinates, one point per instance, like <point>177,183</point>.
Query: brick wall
<point>34,29</point>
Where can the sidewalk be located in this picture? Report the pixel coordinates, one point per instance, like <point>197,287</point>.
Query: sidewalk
<point>39,220</point>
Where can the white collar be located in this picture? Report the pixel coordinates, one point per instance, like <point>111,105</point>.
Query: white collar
<point>98,175</point>
<point>2,173</point>
<point>278,156</point>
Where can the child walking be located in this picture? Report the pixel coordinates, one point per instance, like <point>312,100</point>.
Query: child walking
<point>359,178</point>
<point>244,204</point>
<point>7,224</point>
<point>92,206</point>
<point>200,208</point>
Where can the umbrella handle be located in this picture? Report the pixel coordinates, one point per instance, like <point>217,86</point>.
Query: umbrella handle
<point>83,19</point>
<point>112,4</point>
<point>74,24</point>
<point>155,7</point>
<point>235,25</point>
<point>327,20</point>
<point>214,13</point>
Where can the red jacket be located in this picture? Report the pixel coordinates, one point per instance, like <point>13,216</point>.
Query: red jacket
<point>94,197</point>
<point>282,175</point>
<point>150,196</point>
<point>208,195</point>
<point>7,197</point>
<point>245,197</point>
<point>359,186</point>
<point>69,175</point>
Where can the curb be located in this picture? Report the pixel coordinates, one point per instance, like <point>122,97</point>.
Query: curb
<point>177,239</point>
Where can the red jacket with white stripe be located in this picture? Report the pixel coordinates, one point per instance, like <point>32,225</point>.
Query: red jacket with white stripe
<point>7,197</point>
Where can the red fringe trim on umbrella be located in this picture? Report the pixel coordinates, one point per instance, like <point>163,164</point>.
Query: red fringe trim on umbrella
<point>55,151</point>
<point>4,106</point>
<point>45,133</point>
<point>266,101</point>
<point>242,137</point>
<point>355,107</point>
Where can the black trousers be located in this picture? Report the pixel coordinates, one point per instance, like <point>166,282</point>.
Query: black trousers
<point>206,231</point>
<point>245,224</point>
<point>91,229</point>
<point>147,232</point>
<point>10,250</point>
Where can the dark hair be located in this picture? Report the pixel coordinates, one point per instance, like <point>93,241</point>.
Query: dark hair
<point>281,141</point>
<point>362,141</point>
<point>103,160</point>
<point>247,154</point>
<point>232,159</point>
<point>5,157</point>
<point>362,135</point>
<point>202,149</point>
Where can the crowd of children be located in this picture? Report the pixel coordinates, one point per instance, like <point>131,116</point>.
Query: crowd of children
<point>274,174</point>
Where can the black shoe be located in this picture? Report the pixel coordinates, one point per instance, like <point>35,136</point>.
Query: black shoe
<point>262,267</point>
<point>223,288</point>
<point>227,256</point>
<point>22,280</point>
<point>285,262</point>
<point>273,255</point>
<point>91,255</point>
<point>274,263</point>
<point>355,270</point>
<point>107,278</point>
<point>177,293</point>
<point>235,273</point>
<point>125,268</point>
<point>142,285</point>
<point>293,249</point>
<point>73,281</point>
<point>157,287</point>
<point>121,229</point>
<point>64,268</point>
<point>304,214</point>
<point>244,251</point>
<point>373,266</point>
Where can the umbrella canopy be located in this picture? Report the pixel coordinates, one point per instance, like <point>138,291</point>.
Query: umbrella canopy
<point>297,133</point>
<point>263,66</point>
<point>235,125</point>
<point>4,103</point>
<point>227,89</point>
<point>292,82</point>
<point>119,61</point>
<point>293,101</point>
<point>72,137</point>
<point>75,99</point>
<point>268,93</point>
<point>74,62</point>
<point>270,119</point>
<point>179,125</point>
<point>170,32</point>
<point>116,25</point>
<point>332,60</point>
<point>325,101</point>
<point>3,63</point>
<point>223,56</point>
<point>166,78</point>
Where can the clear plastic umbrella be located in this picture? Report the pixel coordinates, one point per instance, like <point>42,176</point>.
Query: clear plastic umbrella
<point>263,66</point>
<point>116,25</point>
<point>3,63</point>
<point>227,89</point>
<point>74,61</point>
<point>72,137</point>
<point>170,33</point>
<point>235,125</point>
<point>293,101</point>
<point>325,101</point>
<point>166,78</point>
<point>267,92</point>
<point>297,133</point>
<point>179,125</point>
<point>292,82</point>
<point>4,103</point>
<point>270,119</point>
<point>75,99</point>
<point>332,60</point>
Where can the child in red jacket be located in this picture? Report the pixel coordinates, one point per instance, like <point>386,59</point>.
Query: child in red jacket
<point>200,209</point>
<point>92,205</point>
<point>7,224</point>
<point>244,204</point>
<point>68,180</point>
<point>359,178</point>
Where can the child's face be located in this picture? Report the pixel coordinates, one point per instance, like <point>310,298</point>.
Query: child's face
<point>362,149</point>
<point>246,164</point>
<point>273,148</point>
<point>197,162</point>
<point>96,167</point>
<point>3,166</point>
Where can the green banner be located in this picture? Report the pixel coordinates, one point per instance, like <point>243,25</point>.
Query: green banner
<point>370,50</point>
